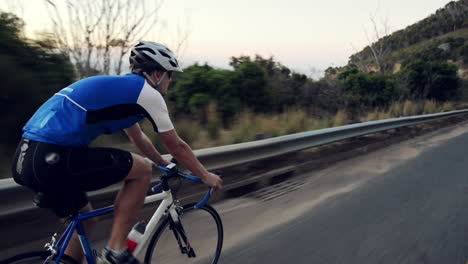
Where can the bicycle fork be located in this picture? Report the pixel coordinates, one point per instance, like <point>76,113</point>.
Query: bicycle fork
<point>179,233</point>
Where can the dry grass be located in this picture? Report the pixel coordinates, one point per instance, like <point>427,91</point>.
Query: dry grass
<point>410,108</point>
<point>214,121</point>
<point>430,106</point>
<point>448,106</point>
<point>293,121</point>
<point>377,115</point>
<point>395,109</point>
<point>244,127</point>
<point>248,126</point>
<point>341,118</point>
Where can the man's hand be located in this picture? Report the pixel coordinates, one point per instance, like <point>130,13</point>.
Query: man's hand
<point>214,181</point>
<point>184,154</point>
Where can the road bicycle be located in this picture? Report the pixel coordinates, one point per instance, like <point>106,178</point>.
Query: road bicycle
<point>191,233</point>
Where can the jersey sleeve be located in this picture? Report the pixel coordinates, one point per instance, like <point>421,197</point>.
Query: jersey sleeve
<point>156,109</point>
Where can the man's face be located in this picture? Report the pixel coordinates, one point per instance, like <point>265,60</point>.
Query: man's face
<point>164,84</point>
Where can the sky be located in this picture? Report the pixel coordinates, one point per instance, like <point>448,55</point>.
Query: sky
<point>307,36</point>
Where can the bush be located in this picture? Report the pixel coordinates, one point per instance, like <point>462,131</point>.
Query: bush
<point>431,80</point>
<point>376,90</point>
<point>464,54</point>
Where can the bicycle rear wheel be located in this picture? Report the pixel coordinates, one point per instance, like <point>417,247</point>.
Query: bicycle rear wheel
<point>204,231</point>
<point>36,257</point>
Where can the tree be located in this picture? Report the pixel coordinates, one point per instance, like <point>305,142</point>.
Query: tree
<point>285,87</point>
<point>97,34</point>
<point>249,84</point>
<point>194,80</point>
<point>230,90</point>
<point>30,71</point>
<point>379,49</point>
<point>373,57</point>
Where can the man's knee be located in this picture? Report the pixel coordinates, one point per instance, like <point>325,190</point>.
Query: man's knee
<point>141,169</point>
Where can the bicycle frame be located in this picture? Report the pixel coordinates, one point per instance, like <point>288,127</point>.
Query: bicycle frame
<point>76,224</point>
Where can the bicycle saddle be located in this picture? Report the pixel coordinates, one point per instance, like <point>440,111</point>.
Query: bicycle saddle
<point>63,205</point>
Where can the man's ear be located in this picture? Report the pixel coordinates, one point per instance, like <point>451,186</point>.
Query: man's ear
<point>156,75</point>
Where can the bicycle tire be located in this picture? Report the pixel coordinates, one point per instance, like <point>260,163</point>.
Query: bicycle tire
<point>206,210</point>
<point>36,257</point>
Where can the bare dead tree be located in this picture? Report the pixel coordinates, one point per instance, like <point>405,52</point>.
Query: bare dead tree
<point>98,34</point>
<point>183,34</point>
<point>135,20</point>
<point>75,31</point>
<point>358,59</point>
<point>377,46</point>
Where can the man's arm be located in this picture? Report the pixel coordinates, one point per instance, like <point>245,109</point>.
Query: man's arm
<point>144,144</point>
<point>182,152</point>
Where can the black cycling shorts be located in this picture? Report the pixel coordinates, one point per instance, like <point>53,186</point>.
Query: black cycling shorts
<point>68,172</point>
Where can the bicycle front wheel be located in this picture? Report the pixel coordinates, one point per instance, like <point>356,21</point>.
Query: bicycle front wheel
<point>36,257</point>
<point>203,230</point>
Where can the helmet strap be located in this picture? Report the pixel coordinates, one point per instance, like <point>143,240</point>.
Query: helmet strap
<point>150,80</point>
<point>152,83</point>
<point>162,78</point>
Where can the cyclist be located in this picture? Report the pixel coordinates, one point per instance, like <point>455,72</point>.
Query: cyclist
<point>53,157</point>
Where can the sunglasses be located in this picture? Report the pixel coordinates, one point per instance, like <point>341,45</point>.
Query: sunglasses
<point>169,74</point>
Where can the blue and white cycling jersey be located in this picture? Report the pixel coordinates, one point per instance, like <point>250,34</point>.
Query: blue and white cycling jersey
<point>79,113</point>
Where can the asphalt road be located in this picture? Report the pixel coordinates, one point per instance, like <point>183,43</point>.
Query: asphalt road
<point>413,209</point>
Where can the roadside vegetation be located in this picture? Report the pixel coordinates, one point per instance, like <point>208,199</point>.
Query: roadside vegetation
<point>249,126</point>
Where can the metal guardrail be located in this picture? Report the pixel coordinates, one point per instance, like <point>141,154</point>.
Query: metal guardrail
<point>15,199</point>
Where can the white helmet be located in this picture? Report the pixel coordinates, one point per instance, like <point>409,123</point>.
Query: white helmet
<point>148,56</point>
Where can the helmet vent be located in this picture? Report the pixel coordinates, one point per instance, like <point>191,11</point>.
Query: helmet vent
<point>147,49</point>
<point>165,54</point>
<point>173,64</point>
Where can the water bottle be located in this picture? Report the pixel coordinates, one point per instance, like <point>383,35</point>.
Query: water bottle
<point>135,235</point>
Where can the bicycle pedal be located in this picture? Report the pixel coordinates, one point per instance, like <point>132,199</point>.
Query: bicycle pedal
<point>191,253</point>
<point>183,250</point>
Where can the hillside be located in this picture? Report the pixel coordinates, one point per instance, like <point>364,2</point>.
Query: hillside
<point>443,34</point>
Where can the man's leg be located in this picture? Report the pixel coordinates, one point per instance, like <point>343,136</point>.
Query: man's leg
<point>129,202</point>
<point>74,249</point>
